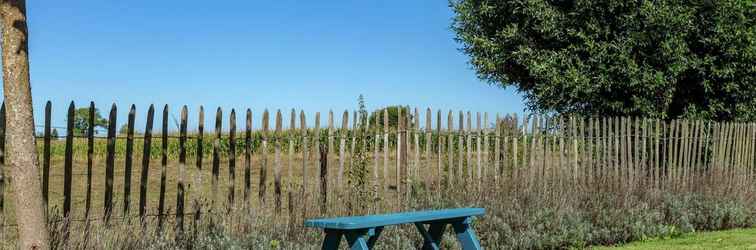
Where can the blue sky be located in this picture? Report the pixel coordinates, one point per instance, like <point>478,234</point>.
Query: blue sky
<point>316,55</point>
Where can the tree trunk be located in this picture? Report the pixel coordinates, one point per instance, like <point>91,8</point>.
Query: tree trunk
<point>21,149</point>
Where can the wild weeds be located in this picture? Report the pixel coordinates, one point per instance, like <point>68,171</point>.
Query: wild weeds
<point>541,196</point>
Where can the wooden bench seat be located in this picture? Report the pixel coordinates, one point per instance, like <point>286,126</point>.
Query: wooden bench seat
<point>362,232</point>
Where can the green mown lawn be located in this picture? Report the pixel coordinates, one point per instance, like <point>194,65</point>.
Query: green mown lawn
<point>731,239</point>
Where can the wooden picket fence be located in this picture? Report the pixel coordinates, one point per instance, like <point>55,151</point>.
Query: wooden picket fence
<point>585,150</point>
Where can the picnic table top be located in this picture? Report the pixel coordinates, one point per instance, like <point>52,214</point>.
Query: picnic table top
<point>370,221</point>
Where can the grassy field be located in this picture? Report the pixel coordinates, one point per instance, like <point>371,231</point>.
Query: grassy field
<point>729,239</point>
<point>524,212</point>
<point>290,172</point>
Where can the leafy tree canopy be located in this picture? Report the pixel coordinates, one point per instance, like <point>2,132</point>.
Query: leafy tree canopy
<point>663,59</point>
<point>393,116</point>
<point>81,120</point>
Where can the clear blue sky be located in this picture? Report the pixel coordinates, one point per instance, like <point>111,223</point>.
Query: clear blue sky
<point>316,55</point>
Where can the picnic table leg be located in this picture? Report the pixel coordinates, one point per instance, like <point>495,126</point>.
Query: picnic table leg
<point>332,239</point>
<point>466,235</point>
<point>432,236</point>
<point>374,234</point>
<point>437,232</point>
<point>356,239</point>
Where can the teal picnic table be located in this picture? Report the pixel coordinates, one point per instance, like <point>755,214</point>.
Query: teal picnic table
<point>362,232</point>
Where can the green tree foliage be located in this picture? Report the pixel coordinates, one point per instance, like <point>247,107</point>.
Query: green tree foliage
<point>664,59</point>
<point>393,116</point>
<point>81,121</point>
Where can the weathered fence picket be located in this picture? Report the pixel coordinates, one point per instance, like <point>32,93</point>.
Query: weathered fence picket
<point>450,149</point>
<point>468,148</point>
<point>478,144</point>
<point>292,134</point>
<point>163,168</point>
<point>46,155</point>
<point>497,171</point>
<point>515,138</point>
<point>277,189</point>
<point>342,147</point>
<point>399,158</point>
<point>145,164</point>
<point>375,129</point>
<point>197,180</point>
<point>247,156</point>
<point>231,160</point>
<point>439,152</point>
<point>330,132</point>
<point>486,153</point>
<point>110,162</point>
<point>305,156</point>
<point>460,148</point>
<point>90,158</point>
<point>415,166</point>
<point>216,158</point>
<point>264,157</point>
<point>128,161</point>
<point>317,140</point>
<point>427,157</point>
<point>181,188</point>
<point>68,161</point>
<point>2,164</point>
<point>324,150</point>
<point>385,149</point>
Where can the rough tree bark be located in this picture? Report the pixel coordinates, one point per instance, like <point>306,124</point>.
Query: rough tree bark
<point>21,150</point>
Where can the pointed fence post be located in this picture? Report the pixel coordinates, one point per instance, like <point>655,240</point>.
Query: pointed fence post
<point>231,161</point>
<point>264,157</point>
<point>342,145</point>
<point>197,204</point>
<point>399,150</point>
<point>469,146</point>
<point>415,166</point>
<point>128,161</point>
<point>180,191</point>
<point>305,157</point>
<point>90,158</point>
<point>110,163</point>
<point>277,168</point>
<point>292,136</point>
<point>163,168</point>
<point>46,155</point>
<point>330,131</point>
<point>439,152</point>
<point>323,178</point>
<point>450,148</point>
<point>461,148</point>
<point>216,159</point>
<point>68,162</point>
<point>2,165</point>
<point>386,179</point>
<point>497,146</point>
<point>316,148</point>
<point>247,156</point>
<point>145,164</point>
<point>428,145</point>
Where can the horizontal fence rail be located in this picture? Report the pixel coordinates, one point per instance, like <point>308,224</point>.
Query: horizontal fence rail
<point>314,162</point>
